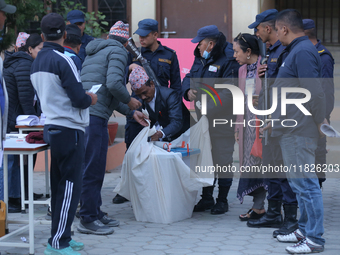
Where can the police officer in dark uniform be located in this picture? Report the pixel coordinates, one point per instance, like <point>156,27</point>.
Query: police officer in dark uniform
<point>279,191</point>
<point>78,17</point>
<point>214,61</point>
<point>164,63</point>
<point>327,62</point>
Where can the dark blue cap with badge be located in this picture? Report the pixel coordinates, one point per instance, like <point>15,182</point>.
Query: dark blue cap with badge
<point>263,17</point>
<point>146,26</point>
<point>308,24</point>
<point>75,16</point>
<point>205,32</point>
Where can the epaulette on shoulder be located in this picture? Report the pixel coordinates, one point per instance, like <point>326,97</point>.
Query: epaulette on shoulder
<point>167,48</point>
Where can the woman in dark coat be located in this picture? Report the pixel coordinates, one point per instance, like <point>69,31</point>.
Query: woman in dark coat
<point>16,72</point>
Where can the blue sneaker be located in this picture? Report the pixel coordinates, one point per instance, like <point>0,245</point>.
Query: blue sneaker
<point>76,246</point>
<point>66,251</point>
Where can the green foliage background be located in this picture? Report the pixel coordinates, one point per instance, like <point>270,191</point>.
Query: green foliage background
<point>27,10</point>
<point>33,10</point>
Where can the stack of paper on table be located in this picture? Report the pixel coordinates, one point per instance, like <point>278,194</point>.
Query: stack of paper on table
<point>27,120</point>
<point>42,119</point>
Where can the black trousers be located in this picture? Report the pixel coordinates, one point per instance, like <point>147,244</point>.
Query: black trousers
<point>278,188</point>
<point>222,154</point>
<point>67,155</point>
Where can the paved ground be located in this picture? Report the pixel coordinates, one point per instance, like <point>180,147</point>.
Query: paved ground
<point>202,234</point>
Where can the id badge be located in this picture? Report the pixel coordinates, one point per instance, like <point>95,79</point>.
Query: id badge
<point>250,85</point>
<point>212,69</point>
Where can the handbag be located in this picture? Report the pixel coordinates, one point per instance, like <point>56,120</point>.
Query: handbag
<point>256,150</point>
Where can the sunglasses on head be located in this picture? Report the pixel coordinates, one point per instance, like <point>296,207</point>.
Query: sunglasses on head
<point>240,36</point>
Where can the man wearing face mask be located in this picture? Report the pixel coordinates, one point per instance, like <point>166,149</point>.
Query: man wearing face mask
<point>214,60</point>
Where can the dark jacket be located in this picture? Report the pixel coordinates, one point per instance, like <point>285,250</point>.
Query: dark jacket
<point>275,54</point>
<point>4,106</point>
<point>57,83</point>
<point>164,63</point>
<point>168,112</point>
<point>17,66</point>
<point>85,39</point>
<point>221,64</point>
<point>302,69</point>
<point>105,64</point>
<point>327,61</point>
<point>75,57</point>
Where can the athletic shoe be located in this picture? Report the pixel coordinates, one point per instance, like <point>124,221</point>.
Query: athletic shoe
<point>293,237</point>
<point>76,246</point>
<point>95,227</point>
<point>66,251</point>
<point>305,246</point>
<point>109,222</point>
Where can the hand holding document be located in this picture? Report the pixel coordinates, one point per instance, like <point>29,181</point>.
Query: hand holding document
<point>95,88</point>
<point>329,131</point>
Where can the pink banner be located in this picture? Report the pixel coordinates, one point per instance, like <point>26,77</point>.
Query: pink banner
<point>185,53</point>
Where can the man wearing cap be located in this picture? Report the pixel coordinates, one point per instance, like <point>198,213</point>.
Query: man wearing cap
<point>164,63</point>
<point>4,8</point>
<point>65,103</point>
<point>327,62</point>
<point>104,65</point>
<point>300,69</point>
<point>72,44</point>
<point>214,61</point>
<point>78,17</point>
<point>162,104</point>
<point>279,191</point>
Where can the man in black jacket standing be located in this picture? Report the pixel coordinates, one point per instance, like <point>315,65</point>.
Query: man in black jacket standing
<point>300,70</point>
<point>214,60</point>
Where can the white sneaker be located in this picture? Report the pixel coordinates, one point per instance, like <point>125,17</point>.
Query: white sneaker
<point>293,237</point>
<point>305,246</point>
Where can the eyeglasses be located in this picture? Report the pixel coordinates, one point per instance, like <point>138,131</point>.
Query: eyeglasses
<point>239,37</point>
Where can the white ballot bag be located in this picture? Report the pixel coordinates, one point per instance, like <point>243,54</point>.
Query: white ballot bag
<point>160,186</point>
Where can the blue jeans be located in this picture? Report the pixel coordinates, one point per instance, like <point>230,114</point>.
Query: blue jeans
<point>96,145</point>
<point>14,186</point>
<point>300,151</point>
<point>13,178</point>
<point>278,188</point>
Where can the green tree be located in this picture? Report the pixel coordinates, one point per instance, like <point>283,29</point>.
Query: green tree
<point>94,22</point>
<point>30,11</point>
<point>20,21</point>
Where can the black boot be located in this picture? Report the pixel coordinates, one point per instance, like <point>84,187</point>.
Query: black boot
<point>118,199</point>
<point>272,218</point>
<point>14,205</point>
<point>221,205</point>
<point>207,201</point>
<point>290,222</point>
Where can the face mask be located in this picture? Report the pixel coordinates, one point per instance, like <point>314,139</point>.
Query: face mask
<point>206,54</point>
